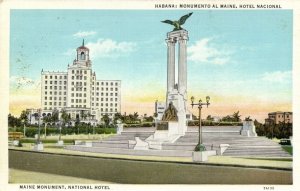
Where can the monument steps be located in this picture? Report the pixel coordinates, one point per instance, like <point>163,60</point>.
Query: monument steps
<point>123,151</point>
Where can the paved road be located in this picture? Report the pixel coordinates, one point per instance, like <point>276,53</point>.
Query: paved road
<point>143,172</point>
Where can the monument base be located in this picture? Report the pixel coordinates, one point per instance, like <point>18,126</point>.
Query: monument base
<point>60,142</point>
<point>119,128</point>
<point>248,129</point>
<point>38,147</point>
<point>141,145</point>
<point>202,156</point>
<point>16,143</point>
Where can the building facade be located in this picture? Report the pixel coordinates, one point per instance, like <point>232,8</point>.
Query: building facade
<point>78,91</point>
<point>279,117</point>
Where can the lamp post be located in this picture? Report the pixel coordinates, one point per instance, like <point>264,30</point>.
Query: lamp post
<point>39,130</point>
<point>59,123</point>
<point>200,146</point>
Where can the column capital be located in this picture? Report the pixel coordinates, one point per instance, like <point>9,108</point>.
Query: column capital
<point>171,40</point>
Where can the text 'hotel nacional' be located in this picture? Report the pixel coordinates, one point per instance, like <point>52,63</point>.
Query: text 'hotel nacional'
<point>78,92</point>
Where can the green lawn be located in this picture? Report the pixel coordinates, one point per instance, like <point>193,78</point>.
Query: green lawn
<point>288,149</point>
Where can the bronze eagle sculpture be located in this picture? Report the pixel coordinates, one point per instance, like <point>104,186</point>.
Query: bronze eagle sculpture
<point>177,24</point>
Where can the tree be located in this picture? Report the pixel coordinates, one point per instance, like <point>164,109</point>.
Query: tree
<point>55,116</point>
<point>47,119</point>
<point>135,116</point>
<point>209,118</point>
<point>236,116</point>
<point>13,121</point>
<point>106,120</point>
<point>65,117</point>
<point>118,116</point>
<point>24,117</point>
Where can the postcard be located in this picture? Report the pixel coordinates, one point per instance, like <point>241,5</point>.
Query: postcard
<point>149,95</point>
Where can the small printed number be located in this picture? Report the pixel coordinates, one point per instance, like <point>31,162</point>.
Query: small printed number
<point>269,188</point>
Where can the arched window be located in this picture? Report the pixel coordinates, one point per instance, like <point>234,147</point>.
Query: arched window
<point>82,56</point>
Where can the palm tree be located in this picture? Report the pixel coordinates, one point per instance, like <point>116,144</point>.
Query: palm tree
<point>135,116</point>
<point>47,119</point>
<point>106,120</point>
<point>65,117</point>
<point>236,117</point>
<point>24,119</point>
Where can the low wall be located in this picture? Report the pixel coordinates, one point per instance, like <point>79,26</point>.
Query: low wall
<point>143,172</point>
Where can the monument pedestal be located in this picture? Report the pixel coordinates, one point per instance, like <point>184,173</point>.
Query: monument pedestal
<point>60,142</point>
<point>119,128</point>
<point>38,147</point>
<point>248,129</point>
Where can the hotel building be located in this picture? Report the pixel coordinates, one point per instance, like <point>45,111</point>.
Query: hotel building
<point>78,91</point>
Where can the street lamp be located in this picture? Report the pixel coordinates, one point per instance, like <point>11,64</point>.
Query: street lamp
<point>39,130</point>
<point>200,146</point>
<point>59,123</point>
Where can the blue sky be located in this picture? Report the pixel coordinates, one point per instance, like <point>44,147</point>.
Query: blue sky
<point>237,57</point>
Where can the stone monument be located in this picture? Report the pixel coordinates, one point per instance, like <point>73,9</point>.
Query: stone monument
<point>173,123</point>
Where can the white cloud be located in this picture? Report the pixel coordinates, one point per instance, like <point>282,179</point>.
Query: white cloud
<point>277,76</point>
<point>82,34</point>
<point>206,51</point>
<point>110,48</point>
<point>22,82</point>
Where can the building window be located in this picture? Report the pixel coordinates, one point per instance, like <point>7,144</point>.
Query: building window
<point>116,89</point>
<point>116,94</point>
<point>45,98</point>
<point>46,77</point>
<point>116,83</point>
<point>45,103</point>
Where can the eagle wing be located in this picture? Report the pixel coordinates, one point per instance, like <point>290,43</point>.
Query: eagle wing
<point>168,22</point>
<point>184,18</point>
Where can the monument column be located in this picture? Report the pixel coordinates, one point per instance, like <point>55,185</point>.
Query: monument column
<point>171,65</point>
<point>182,68</point>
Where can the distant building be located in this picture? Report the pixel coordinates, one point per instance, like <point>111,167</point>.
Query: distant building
<point>78,92</point>
<point>277,117</point>
<point>32,116</point>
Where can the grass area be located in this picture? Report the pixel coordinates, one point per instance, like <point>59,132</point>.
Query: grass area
<point>68,139</point>
<point>27,177</point>
<point>288,149</point>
